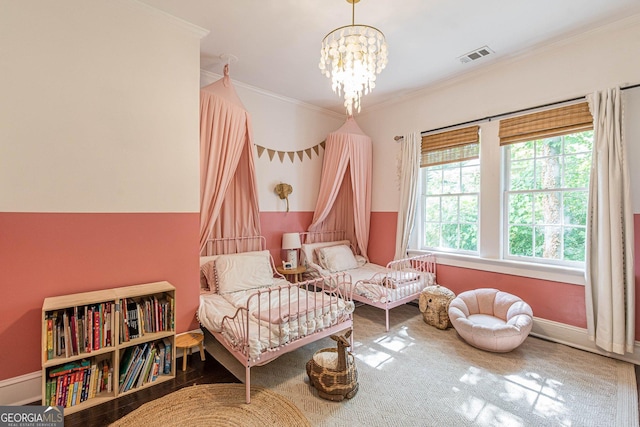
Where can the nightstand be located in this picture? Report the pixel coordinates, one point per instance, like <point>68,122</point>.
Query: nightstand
<point>292,274</point>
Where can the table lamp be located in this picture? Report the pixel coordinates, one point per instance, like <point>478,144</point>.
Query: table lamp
<point>291,243</point>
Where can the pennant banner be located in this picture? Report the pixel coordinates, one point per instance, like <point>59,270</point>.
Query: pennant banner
<point>290,154</point>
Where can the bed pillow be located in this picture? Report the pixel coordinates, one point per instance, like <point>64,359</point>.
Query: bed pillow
<point>208,281</point>
<point>239,272</point>
<point>337,258</point>
<point>309,250</point>
<point>208,276</point>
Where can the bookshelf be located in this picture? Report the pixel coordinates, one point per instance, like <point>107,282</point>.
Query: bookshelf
<point>99,345</point>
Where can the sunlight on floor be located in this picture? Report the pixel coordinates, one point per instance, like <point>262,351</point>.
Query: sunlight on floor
<point>541,396</point>
<point>379,357</point>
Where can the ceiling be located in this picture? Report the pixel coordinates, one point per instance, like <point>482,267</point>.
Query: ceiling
<point>277,42</point>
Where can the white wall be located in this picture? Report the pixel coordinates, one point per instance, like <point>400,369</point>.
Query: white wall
<point>284,124</point>
<point>602,58</point>
<point>74,138</point>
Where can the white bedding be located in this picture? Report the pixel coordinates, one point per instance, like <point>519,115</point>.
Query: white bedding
<point>294,313</point>
<point>368,280</point>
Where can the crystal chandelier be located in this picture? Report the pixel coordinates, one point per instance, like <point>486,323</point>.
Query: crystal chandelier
<point>352,56</point>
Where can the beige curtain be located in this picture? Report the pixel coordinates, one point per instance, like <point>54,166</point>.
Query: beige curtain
<point>410,153</point>
<point>610,278</point>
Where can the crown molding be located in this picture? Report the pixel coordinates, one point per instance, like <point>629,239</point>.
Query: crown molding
<point>180,23</point>
<point>214,76</point>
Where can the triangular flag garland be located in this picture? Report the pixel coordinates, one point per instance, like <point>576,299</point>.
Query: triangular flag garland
<point>290,154</point>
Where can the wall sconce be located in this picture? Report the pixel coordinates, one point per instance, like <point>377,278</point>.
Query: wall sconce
<point>283,190</point>
<point>291,243</point>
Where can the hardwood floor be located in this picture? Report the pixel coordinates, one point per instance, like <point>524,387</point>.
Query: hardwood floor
<point>197,372</point>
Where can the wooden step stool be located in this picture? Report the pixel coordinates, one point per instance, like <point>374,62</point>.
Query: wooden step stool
<point>187,341</point>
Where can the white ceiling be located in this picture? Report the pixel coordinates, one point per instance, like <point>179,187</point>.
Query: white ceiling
<point>277,42</point>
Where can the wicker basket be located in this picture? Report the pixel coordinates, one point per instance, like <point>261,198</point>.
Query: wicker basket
<point>332,383</point>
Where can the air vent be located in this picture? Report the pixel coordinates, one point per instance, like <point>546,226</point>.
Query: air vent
<point>476,54</point>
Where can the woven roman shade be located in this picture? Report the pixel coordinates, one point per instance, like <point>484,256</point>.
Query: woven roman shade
<point>451,146</point>
<point>546,124</point>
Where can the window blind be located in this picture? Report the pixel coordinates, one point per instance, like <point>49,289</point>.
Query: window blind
<point>546,124</point>
<point>451,146</point>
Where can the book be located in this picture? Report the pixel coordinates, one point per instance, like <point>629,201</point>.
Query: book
<point>75,330</point>
<point>167,355</point>
<point>66,380</point>
<point>105,375</point>
<point>137,367</point>
<point>92,381</point>
<point>59,391</point>
<point>161,354</point>
<point>67,335</point>
<point>74,394</point>
<point>171,310</point>
<point>70,382</point>
<point>146,368</point>
<point>156,367</point>
<point>132,308</point>
<point>49,337</point>
<point>125,375</point>
<point>68,368</point>
<point>124,327</point>
<point>107,325</point>
<point>85,384</point>
<point>96,329</point>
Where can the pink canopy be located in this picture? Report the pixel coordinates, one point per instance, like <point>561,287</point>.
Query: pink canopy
<point>228,191</point>
<point>344,202</point>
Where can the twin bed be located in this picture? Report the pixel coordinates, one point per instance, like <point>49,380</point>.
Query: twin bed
<point>251,315</point>
<point>387,287</point>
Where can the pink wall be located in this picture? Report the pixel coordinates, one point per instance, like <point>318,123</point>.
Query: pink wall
<point>382,237</point>
<point>274,224</point>
<point>560,302</point>
<point>48,254</point>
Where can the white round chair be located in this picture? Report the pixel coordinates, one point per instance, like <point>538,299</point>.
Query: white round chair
<point>490,319</point>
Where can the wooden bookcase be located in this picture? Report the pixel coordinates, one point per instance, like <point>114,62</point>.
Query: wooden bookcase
<point>101,347</point>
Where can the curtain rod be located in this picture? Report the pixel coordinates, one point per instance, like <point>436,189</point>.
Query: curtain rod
<point>489,118</point>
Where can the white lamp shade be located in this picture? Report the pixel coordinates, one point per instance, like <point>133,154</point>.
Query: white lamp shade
<point>291,241</point>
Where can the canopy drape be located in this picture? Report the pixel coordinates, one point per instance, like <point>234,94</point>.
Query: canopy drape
<point>228,191</point>
<point>344,200</point>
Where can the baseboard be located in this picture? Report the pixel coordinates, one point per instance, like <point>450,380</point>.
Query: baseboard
<point>21,390</point>
<point>577,338</point>
<point>26,388</point>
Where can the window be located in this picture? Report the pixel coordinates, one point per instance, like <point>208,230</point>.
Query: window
<point>449,202</point>
<point>547,160</point>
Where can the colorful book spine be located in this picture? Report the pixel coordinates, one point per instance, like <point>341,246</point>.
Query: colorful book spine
<point>167,355</point>
<point>49,338</point>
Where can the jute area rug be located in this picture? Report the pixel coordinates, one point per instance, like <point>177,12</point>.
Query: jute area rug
<point>216,405</point>
<point>417,375</point>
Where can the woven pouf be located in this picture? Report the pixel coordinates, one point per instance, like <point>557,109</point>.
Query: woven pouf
<point>434,306</point>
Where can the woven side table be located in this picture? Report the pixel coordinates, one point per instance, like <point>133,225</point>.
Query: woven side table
<point>188,341</point>
<point>434,306</point>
